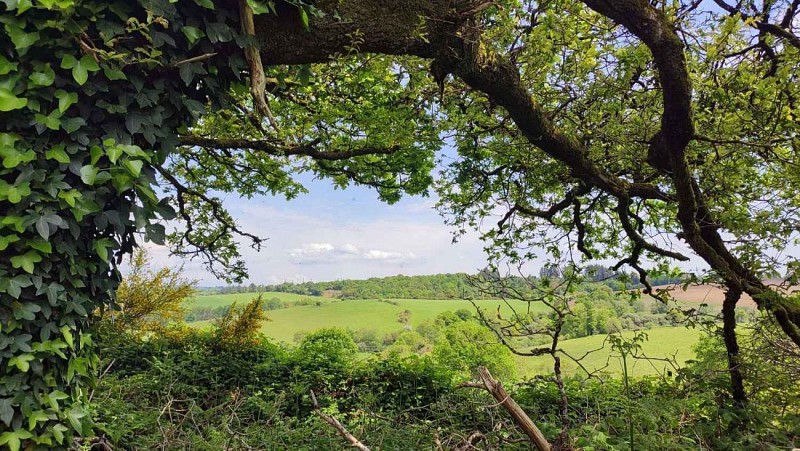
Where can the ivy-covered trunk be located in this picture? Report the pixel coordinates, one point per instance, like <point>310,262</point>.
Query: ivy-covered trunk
<point>92,95</point>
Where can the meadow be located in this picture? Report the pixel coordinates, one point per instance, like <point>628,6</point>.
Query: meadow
<point>381,316</point>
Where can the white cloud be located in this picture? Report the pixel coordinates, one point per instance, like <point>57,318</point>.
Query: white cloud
<point>329,253</point>
<point>374,254</point>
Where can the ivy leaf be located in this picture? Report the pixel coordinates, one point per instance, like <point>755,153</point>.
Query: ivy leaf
<point>43,227</point>
<point>258,7</point>
<point>113,153</point>
<point>20,38</point>
<point>52,291</point>
<point>304,17</point>
<point>22,362</point>
<point>6,240</point>
<point>80,68</point>
<point>101,247</point>
<point>6,66</point>
<point>13,158</point>
<point>26,261</point>
<point>26,311</point>
<point>12,439</point>
<point>65,99</point>
<point>57,153</point>
<point>16,285</point>
<point>58,432</point>
<point>51,121</point>
<point>14,193</point>
<point>6,411</point>
<point>67,334</point>
<point>208,4</point>
<point>133,166</point>
<point>36,417</point>
<point>9,102</point>
<point>70,196</point>
<point>45,77</point>
<point>88,174</point>
<point>193,34</point>
<point>74,416</point>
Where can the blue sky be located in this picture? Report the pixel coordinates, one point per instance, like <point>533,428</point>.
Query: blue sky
<point>330,234</point>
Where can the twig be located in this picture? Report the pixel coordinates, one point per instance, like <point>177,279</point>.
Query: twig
<point>337,425</point>
<point>196,59</point>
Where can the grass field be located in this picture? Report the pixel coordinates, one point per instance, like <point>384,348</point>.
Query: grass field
<point>663,342</point>
<point>381,316</point>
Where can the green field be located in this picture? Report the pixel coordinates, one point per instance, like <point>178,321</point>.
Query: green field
<point>662,342</point>
<point>381,316</point>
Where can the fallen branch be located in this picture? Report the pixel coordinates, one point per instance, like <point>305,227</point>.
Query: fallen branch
<point>521,419</point>
<point>337,425</point>
<point>471,441</point>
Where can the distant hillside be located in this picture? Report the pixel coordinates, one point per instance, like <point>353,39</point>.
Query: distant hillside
<point>438,286</point>
<point>713,294</point>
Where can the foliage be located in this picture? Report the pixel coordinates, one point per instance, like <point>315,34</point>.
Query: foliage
<point>150,299</point>
<point>467,345</point>
<point>241,326</point>
<point>180,393</point>
<point>438,286</point>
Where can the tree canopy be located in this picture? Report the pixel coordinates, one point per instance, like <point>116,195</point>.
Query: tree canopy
<point>640,132</point>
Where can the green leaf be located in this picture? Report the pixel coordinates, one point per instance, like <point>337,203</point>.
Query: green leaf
<point>58,432</point>
<point>304,17</point>
<point>80,68</point>
<point>26,261</point>
<point>13,439</point>
<point>16,285</point>
<point>6,240</point>
<point>133,166</point>
<point>20,38</point>
<point>208,4</point>
<point>9,102</point>
<point>26,311</point>
<point>45,77</point>
<point>13,158</point>
<point>101,247</point>
<point>113,153</point>
<point>57,153</point>
<point>67,334</point>
<point>6,411</point>
<point>88,174</point>
<point>51,121</point>
<point>258,7</point>
<point>70,196</point>
<point>41,246</point>
<point>74,416</point>
<point>113,73</point>
<point>193,34</point>
<point>6,66</point>
<point>22,362</point>
<point>14,193</point>
<point>36,417</point>
<point>65,99</point>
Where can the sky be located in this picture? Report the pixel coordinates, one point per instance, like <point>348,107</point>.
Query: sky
<point>331,234</point>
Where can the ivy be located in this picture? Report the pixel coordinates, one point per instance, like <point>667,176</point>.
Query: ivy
<point>91,100</point>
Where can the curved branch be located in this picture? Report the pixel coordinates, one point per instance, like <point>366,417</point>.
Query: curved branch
<point>273,148</point>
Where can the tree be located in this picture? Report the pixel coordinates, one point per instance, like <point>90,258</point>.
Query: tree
<point>148,299</point>
<point>241,326</point>
<point>612,129</point>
